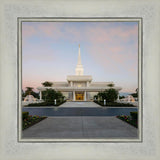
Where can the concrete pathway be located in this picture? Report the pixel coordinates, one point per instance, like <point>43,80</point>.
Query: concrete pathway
<point>79,104</point>
<point>81,127</point>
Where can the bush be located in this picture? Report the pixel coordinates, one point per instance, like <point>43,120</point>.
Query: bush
<point>25,115</point>
<point>47,103</point>
<point>115,104</point>
<point>31,120</point>
<point>109,94</point>
<point>42,104</point>
<point>128,119</point>
<point>50,94</point>
<point>134,115</point>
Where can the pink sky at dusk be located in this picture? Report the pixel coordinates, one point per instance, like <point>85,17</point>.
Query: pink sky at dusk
<point>109,52</point>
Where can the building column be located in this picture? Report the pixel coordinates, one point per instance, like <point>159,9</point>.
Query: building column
<point>74,96</point>
<point>71,83</point>
<point>84,95</point>
<point>87,84</point>
<point>40,95</point>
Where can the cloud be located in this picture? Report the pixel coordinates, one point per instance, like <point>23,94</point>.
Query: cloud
<point>92,33</point>
<point>28,31</point>
<point>113,46</point>
<point>39,53</point>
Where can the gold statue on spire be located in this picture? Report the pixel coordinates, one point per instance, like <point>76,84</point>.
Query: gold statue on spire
<point>79,45</point>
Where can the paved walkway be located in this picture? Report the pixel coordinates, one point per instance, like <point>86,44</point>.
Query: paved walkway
<point>81,127</point>
<point>79,104</point>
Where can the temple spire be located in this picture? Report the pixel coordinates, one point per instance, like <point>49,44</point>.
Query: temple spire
<point>79,68</point>
<point>79,56</point>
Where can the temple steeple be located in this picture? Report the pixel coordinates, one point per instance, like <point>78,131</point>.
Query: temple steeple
<point>79,68</point>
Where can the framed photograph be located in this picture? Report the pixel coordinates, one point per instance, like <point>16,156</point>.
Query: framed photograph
<point>79,80</point>
<point>79,108</point>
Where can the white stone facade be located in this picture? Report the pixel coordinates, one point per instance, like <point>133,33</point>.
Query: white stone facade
<point>79,87</point>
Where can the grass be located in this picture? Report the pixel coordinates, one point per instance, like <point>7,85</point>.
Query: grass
<point>30,121</point>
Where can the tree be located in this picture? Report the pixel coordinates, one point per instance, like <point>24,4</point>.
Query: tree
<point>47,84</point>
<point>36,95</point>
<point>110,95</point>
<point>121,97</point>
<point>110,85</point>
<point>135,95</point>
<point>101,96</point>
<point>30,91</point>
<point>49,95</point>
<point>95,97</point>
<point>137,92</point>
<point>59,95</point>
<point>23,94</point>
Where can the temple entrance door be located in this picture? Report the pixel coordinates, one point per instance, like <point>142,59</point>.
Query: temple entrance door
<point>79,96</point>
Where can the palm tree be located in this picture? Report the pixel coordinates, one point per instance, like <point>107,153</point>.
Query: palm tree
<point>29,90</point>
<point>47,84</point>
<point>110,85</point>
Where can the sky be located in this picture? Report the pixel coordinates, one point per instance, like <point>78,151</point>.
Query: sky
<point>109,52</point>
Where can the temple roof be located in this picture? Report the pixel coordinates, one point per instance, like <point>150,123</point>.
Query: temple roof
<point>79,78</point>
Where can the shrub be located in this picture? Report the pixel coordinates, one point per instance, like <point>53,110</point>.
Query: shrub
<point>110,85</point>
<point>128,120</point>
<point>109,94</point>
<point>50,94</point>
<point>25,115</point>
<point>114,104</point>
<point>134,115</point>
<point>47,103</point>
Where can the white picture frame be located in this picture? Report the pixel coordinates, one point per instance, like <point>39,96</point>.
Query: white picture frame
<point>11,148</point>
<point>20,22</point>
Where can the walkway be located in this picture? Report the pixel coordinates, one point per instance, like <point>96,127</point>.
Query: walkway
<point>79,104</point>
<point>80,127</point>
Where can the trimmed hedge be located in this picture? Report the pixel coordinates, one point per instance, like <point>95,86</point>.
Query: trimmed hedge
<point>115,104</point>
<point>134,115</point>
<point>46,104</point>
<point>25,115</point>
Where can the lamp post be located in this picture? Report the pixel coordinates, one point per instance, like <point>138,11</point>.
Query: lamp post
<point>55,101</point>
<point>40,94</point>
<point>104,102</point>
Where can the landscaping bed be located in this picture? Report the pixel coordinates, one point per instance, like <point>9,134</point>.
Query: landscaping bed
<point>132,119</point>
<point>114,104</point>
<point>45,104</point>
<point>28,120</point>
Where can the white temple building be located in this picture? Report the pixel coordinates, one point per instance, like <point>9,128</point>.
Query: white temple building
<point>79,87</point>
